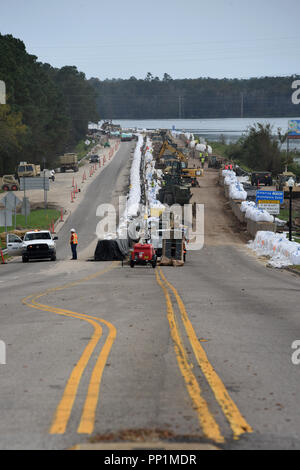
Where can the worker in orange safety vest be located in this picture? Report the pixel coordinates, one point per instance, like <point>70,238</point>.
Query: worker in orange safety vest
<point>74,243</point>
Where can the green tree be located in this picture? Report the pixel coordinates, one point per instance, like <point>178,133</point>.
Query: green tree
<point>259,149</point>
<point>12,132</point>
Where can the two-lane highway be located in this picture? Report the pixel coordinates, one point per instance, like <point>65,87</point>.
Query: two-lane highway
<point>202,350</point>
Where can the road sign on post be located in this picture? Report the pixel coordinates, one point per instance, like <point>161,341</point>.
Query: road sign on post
<point>25,206</point>
<point>273,207</point>
<point>270,201</point>
<point>11,201</point>
<point>270,196</point>
<point>294,129</point>
<point>5,218</point>
<point>27,184</point>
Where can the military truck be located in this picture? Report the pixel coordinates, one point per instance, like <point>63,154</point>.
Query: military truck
<point>69,161</point>
<point>28,170</point>
<point>261,178</point>
<point>174,191</point>
<point>215,161</point>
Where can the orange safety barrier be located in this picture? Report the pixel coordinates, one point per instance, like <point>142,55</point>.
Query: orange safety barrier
<point>2,257</point>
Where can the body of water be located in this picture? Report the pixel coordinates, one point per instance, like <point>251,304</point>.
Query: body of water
<point>211,129</point>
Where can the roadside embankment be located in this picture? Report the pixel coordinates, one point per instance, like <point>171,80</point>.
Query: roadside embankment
<point>68,189</point>
<point>252,218</point>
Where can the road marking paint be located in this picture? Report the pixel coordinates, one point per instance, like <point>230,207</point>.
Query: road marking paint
<point>64,409</point>
<point>237,422</point>
<point>207,422</point>
<point>87,421</point>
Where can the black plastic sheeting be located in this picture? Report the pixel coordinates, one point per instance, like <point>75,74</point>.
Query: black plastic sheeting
<point>111,250</point>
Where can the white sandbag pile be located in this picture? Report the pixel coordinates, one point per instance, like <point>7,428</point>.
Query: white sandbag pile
<point>281,251</point>
<point>134,196</point>
<point>201,147</point>
<point>236,189</point>
<point>209,149</point>
<point>252,212</point>
<point>237,192</point>
<point>135,183</point>
<point>153,178</point>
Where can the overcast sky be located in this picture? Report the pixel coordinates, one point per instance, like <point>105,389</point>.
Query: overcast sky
<point>186,39</point>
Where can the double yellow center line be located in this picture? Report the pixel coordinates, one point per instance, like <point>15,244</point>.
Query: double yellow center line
<point>64,409</point>
<point>208,423</point>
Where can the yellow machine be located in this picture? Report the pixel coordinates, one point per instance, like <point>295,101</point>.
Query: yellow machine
<point>9,183</point>
<point>185,171</point>
<point>174,151</point>
<point>192,172</point>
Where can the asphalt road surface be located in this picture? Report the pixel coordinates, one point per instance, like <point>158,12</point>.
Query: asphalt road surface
<point>201,352</point>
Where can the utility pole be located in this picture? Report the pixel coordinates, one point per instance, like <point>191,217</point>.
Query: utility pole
<point>242,104</point>
<point>179,107</point>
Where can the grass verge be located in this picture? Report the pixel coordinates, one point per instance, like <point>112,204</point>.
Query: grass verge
<point>82,149</point>
<point>38,219</point>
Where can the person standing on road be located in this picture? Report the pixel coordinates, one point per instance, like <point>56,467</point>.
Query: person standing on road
<point>74,243</point>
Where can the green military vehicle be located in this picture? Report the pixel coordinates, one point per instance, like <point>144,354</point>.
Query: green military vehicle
<point>174,191</point>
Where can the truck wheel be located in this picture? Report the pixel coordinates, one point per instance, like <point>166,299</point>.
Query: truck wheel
<point>25,259</point>
<point>53,258</point>
<point>14,187</point>
<point>5,187</point>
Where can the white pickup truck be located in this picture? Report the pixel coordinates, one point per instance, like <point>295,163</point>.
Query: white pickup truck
<point>38,244</point>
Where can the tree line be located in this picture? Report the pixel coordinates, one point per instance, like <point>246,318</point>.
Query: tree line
<point>167,98</point>
<point>47,109</point>
<point>260,149</point>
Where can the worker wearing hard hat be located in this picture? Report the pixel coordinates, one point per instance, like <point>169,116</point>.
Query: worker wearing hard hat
<point>74,243</point>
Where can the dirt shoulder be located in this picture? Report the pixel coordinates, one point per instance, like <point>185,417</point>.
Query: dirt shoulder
<point>221,227</point>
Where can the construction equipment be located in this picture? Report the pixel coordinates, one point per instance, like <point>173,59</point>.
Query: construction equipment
<point>192,172</point>
<point>143,253</point>
<point>28,170</point>
<point>190,175</point>
<point>9,183</point>
<point>215,161</point>
<point>69,161</point>
<point>261,178</point>
<point>177,163</point>
<point>173,150</point>
<point>174,191</point>
<point>281,184</point>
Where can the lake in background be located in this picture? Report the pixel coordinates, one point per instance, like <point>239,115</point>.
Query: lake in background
<point>211,129</point>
